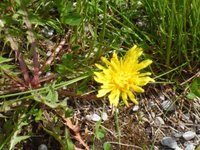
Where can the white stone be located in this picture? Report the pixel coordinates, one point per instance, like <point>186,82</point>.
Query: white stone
<point>159,121</point>
<point>135,108</point>
<point>48,53</point>
<point>93,117</point>
<point>104,116</point>
<point>189,135</point>
<point>162,97</point>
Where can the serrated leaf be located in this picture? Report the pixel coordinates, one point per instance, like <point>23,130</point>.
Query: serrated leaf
<point>17,140</point>
<point>43,99</point>
<point>52,95</point>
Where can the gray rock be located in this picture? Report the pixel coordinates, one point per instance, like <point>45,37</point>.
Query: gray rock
<point>42,147</point>
<point>189,135</point>
<point>169,142</point>
<point>168,105</point>
<point>190,147</point>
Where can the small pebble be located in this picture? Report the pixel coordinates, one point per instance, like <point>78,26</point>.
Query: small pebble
<point>162,97</point>
<point>159,121</point>
<point>48,32</point>
<point>135,108</point>
<point>190,147</point>
<point>178,135</point>
<point>168,105</point>
<point>104,116</point>
<point>48,53</point>
<point>181,125</point>
<point>186,118</point>
<point>93,117</point>
<point>42,147</point>
<point>169,142</point>
<point>189,135</point>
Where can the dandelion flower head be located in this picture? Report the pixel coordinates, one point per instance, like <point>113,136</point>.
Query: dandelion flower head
<point>122,77</point>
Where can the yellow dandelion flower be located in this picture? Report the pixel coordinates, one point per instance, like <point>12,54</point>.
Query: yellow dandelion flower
<point>121,76</point>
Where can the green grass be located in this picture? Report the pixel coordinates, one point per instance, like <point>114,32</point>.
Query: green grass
<point>168,31</point>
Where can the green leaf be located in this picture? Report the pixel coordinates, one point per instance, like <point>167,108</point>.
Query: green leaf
<point>52,95</point>
<point>67,59</point>
<point>191,96</point>
<point>42,98</point>
<point>55,25</point>
<point>35,19</point>
<point>38,115</point>
<point>15,138</point>
<point>195,87</point>
<point>3,60</point>
<point>67,64</point>
<point>99,132</point>
<point>18,139</point>
<point>4,67</point>
<point>106,146</point>
<point>69,144</point>
<point>71,18</point>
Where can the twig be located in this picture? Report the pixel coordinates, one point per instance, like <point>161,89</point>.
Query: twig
<point>134,146</point>
<point>57,50</point>
<point>188,80</point>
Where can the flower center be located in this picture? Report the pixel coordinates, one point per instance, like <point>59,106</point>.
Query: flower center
<point>123,81</point>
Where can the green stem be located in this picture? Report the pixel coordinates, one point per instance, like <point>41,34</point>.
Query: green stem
<point>117,125</point>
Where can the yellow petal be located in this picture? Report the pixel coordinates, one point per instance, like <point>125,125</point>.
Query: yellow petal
<point>114,97</point>
<point>144,74</point>
<point>144,80</point>
<point>105,61</point>
<point>100,67</point>
<point>99,77</point>
<point>134,53</point>
<point>103,92</point>
<point>137,89</point>
<point>144,64</point>
<point>124,98</point>
<point>132,97</point>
